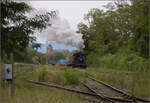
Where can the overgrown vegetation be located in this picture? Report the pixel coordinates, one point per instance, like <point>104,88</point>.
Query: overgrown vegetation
<point>54,58</point>
<point>122,60</point>
<point>118,37</point>
<point>116,44</point>
<point>69,77</point>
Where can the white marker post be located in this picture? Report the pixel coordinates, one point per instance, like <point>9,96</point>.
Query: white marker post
<point>12,81</point>
<point>8,75</point>
<point>8,71</point>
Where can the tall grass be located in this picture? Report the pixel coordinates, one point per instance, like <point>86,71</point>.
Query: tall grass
<point>70,77</point>
<point>29,93</point>
<point>38,94</point>
<point>122,60</point>
<point>43,75</point>
<point>123,80</point>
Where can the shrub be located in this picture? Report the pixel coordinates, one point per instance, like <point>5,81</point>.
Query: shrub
<point>57,77</point>
<point>43,75</point>
<point>123,60</point>
<point>72,78</point>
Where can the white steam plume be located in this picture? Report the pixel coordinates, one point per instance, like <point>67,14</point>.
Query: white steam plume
<point>60,32</point>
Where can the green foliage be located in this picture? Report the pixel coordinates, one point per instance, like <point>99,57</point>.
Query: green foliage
<point>17,28</point>
<point>123,27</point>
<point>28,55</point>
<point>35,59</point>
<point>91,58</point>
<point>43,75</point>
<point>72,78</point>
<point>54,58</point>
<point>24,90</point>
<point>5,58</point>
<point>123,60</point>
<point>36,45</point>
<point>140,17</point>
<point>57,77</point>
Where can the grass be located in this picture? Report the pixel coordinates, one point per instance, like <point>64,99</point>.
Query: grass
<point>123,60</point>
<point>124,80</point>
<point>30,93</point>
<point>70,77</point>
<point>39,95</point>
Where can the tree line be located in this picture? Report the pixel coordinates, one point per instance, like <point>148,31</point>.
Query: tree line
<point>124,27</point>
<point>119,35</point>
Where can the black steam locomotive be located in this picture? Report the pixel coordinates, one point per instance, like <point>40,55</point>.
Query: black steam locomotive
<point>77,60</point>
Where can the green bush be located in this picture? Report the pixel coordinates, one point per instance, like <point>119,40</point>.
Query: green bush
<point>57,77</point>
<point>92,60</point>
<point>72,78</point>
<point>43,75</point>
<point>5,58</point>
<point>123,60</point>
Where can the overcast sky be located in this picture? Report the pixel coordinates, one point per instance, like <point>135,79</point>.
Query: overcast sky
<point>72,11</point>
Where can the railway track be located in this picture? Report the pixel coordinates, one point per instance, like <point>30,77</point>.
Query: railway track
<point>106,89</point>
<point>97,89</point>
<point>108,98</point>
<point>96,93</point>
<point>101,98</point>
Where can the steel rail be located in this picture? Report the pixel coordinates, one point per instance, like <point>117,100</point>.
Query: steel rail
<point>71,90</point>
<point>106,97</point>
<point>118,90</point>
<point>59,87</point>
<point>93,91</point>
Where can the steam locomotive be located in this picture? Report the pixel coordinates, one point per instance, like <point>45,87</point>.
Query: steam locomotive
<point>77,60</point>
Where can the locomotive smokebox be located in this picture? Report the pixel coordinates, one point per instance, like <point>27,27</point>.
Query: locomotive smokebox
<point>77,59</point>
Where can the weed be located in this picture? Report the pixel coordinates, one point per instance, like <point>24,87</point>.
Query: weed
<point>43,75</point>
<point>72,78</point>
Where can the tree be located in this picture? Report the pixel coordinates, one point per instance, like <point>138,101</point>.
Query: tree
<point>140,31</point>
<point>54,58</point>
<point>36,45</point>
<point>35,59</point>
<point>17,28</point>
<point>126,25</point>
<point>100,34</point>
<point>83,29</point>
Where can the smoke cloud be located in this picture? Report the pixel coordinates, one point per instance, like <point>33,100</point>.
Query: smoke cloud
<point>60,32</point>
